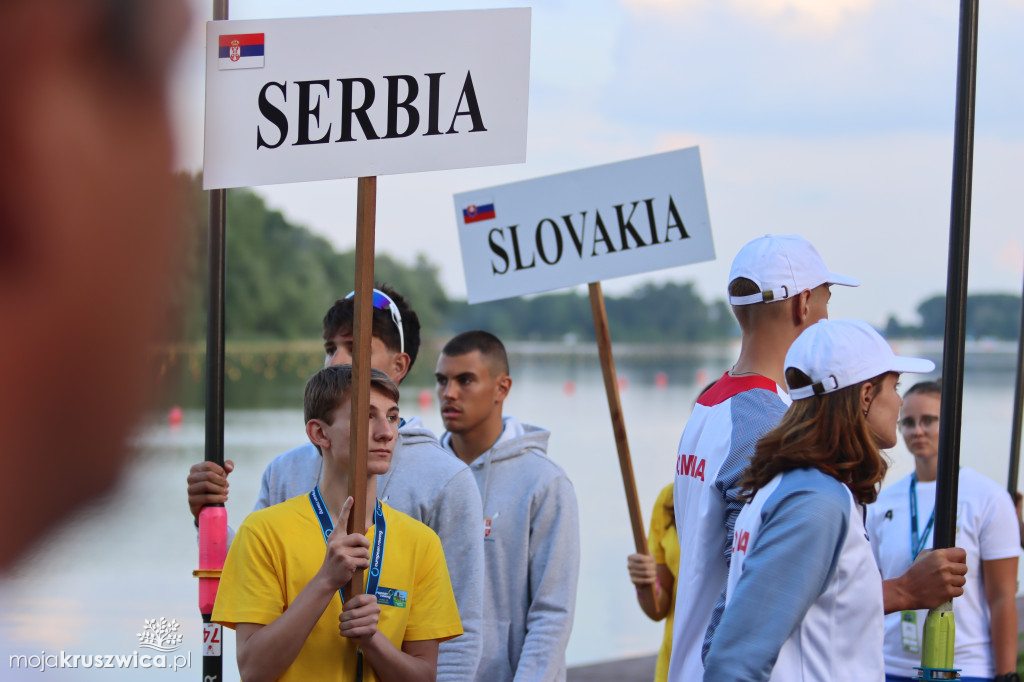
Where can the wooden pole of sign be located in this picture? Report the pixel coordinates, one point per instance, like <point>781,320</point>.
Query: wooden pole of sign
<point>611,387</point>
<point>362,337</point>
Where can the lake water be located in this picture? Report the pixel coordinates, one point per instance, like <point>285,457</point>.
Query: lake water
<point>89,588</point>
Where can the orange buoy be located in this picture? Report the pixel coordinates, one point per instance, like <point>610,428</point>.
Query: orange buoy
<point>661,380</point>
<point>569,387</point>
<point>702,377</point>
<point>623,383</point>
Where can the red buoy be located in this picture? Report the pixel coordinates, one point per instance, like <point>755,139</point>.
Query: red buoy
<point>661,380</point>
<point>425,398</point>
<point>175,416</point>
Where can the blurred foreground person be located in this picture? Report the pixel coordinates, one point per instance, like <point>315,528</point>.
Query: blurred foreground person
<point>87,234</point>
<point>804,597</point>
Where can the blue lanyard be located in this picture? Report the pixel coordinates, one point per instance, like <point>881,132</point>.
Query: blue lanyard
<point>380,533</point>
<point>917,544</point>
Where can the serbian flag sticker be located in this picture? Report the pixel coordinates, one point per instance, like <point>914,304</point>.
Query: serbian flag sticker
<point>240,51</point>
<point>477,212</point>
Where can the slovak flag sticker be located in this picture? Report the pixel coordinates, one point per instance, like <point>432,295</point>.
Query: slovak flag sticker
<point>240,51</point>
<point>477,212</point>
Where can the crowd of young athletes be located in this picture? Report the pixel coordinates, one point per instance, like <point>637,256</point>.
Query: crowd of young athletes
<point>795,566</point>
<point>471,545</point>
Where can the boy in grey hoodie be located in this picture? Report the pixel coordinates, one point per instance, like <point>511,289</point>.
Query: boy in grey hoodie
<point>424,481</point>
<point>531,520</point>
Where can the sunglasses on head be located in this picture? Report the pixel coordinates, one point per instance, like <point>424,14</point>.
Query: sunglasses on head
<point>382,301</point>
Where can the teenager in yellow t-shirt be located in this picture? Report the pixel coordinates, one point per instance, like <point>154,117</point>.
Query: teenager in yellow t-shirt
<point>280,585</point>
<point>659,568</point>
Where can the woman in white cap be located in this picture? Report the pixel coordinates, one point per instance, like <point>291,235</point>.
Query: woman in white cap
<point>804,596</point>
<point>900,526</point>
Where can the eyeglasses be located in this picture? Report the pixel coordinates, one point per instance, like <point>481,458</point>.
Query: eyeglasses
<point>926,421</point>
<point>382,301</point>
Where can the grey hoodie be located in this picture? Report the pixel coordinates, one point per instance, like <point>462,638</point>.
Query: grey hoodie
<point>431,485</point>
<point>532,553</point>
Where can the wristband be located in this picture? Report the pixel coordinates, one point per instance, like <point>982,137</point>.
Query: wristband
<point>1008,677</point>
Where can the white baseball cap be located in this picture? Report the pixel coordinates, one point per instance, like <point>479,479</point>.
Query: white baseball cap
<point>840,353</point>
<point>781,265</point>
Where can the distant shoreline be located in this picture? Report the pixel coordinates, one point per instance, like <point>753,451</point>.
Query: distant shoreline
<point>585,347</point>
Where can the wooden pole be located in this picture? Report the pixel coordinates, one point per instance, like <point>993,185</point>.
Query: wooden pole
<point>611,387</point>
<point>362,337</point>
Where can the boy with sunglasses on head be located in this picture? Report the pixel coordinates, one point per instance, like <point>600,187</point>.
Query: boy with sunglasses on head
<point>424,481</point>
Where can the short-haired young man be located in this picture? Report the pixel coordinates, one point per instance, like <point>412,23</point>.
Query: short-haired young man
<point>778,286</point>
<point>424,480</point>
<point>531,520</point>
<point>280,588</point>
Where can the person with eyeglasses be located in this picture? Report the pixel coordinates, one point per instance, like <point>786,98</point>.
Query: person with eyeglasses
<point>900,526</point>
<point>804,600</point>
<point>424,480</point>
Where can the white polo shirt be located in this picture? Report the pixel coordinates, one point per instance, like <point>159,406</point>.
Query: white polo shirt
<point>986,527</point>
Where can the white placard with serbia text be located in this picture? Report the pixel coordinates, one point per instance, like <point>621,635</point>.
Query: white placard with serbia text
<point>584,226</point>
<point>293,100</point>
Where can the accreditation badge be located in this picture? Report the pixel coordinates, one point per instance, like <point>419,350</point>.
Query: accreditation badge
<point>909,633</point>
<point>387,596</point>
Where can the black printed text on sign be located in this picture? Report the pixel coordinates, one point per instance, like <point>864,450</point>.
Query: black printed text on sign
<point>584,226</point>
<point>295,100</point>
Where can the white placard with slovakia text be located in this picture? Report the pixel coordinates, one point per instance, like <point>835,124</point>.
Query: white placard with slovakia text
<point>293,100</point>
<point>584,226</point>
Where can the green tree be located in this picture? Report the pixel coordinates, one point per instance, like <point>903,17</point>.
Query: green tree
<point>994,316</point>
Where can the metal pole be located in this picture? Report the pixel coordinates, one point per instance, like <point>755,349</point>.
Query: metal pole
<point>956,284</point>
<point>213,520</point>
<point>1018,409</point>
<point>939,630</point>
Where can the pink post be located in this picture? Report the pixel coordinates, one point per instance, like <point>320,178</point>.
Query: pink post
<point>213,548</point>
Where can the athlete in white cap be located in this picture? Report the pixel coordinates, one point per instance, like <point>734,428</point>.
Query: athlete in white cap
<point>778,286</point>
<point>804,596</point>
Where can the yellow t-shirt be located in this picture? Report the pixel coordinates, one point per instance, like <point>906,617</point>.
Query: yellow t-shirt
<point>664,544</point>
<point>278,550</point>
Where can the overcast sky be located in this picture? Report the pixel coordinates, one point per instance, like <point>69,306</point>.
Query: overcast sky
<point>830,119</point>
